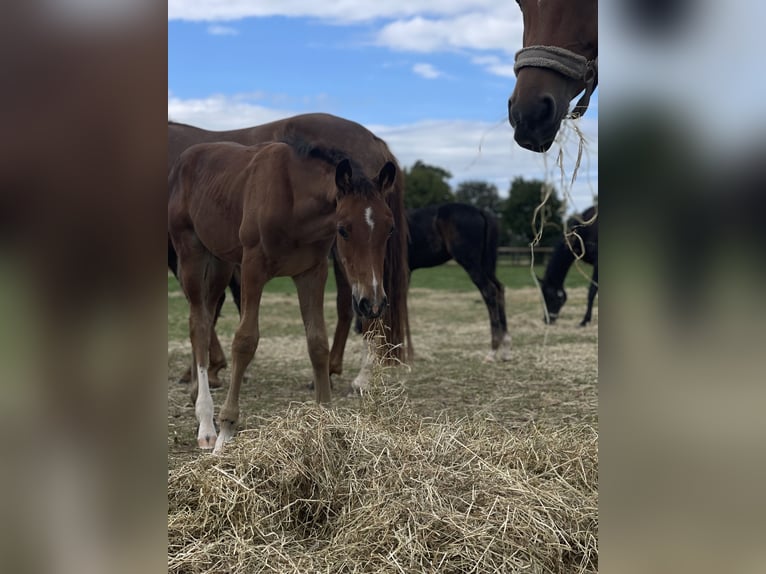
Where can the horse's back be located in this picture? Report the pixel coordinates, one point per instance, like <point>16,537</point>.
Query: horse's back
<point>426,248</point>
<point>327,130</point>
<point>447,231</point>
<point>208,186</point>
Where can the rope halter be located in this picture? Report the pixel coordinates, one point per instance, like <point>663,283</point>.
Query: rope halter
<point>564,62</point>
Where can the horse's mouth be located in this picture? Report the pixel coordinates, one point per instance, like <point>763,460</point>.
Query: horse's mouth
<point>535,142</point>
<point>366,310</point>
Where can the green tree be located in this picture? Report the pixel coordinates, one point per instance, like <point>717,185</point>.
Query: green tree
<point>426,185</point>
<point>518,214</point>
<point>479,194</point>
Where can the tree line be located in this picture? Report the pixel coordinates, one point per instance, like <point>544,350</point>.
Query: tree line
<point>428,185</point>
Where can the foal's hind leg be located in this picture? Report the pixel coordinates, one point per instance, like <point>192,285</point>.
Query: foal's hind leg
<point>504,349</point>
<point>493,293</point>
<point>217,356</point>
<point>203,278</point>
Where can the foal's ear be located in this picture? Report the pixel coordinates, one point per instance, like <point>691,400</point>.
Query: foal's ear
<point>387,176</point>
<point>343,177</point>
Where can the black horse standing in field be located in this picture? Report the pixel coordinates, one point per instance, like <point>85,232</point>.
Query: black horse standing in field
<point>581,243</point>
<point>468,235</point>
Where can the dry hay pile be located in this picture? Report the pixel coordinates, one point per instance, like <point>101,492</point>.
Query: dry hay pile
<point>385,490</point>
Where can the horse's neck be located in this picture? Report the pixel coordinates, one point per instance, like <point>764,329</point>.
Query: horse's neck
<point>558,267</point>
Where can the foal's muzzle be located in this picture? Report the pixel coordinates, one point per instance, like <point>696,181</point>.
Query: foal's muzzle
<point>550,318</point>
<point>368,309</point>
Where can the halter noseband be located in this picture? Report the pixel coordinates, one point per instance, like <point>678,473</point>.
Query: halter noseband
<point>564,62</point>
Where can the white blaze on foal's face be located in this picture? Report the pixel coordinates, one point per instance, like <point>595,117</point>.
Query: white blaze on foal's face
<point>371,222</point>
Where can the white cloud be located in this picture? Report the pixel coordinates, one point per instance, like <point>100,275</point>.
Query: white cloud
<point>427,71</point>
<point>339,11</point>
<point>467,149</point>
<point>219,112</point>
<point>495,65</point>
<point>498,29</point>
<point>219,30</point>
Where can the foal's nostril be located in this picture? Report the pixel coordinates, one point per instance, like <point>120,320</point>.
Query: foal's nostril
<point>364,307</point>
<point>377,310</point>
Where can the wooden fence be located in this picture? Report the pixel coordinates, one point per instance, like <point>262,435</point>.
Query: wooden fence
<point>522,255</point>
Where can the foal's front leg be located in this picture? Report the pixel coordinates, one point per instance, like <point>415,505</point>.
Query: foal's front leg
<point>345,316</point>
<point>310,285</point>
<point>244,345</point>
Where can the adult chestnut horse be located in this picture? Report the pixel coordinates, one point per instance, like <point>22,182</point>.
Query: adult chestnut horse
<point>559,59</point>
<point>370,152</point>
<point>275,210</point>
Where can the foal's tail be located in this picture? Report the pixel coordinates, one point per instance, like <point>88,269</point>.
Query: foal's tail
<point>491,240</point>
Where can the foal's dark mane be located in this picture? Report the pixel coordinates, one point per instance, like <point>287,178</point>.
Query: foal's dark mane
<point>332,156</point>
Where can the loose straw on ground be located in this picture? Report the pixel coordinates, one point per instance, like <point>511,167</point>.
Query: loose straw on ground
<point>383,490</point>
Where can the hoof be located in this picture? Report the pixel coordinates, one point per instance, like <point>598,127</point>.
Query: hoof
<point>311,385</point>
<point>214,382</point>
<point>228,429</point>
<point>207,441</point>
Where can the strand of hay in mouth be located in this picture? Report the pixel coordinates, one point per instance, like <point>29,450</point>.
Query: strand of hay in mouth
<point>334,490</point>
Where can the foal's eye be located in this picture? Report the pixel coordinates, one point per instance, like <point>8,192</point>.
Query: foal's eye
<point>391,231</point>
<point>343,232</point>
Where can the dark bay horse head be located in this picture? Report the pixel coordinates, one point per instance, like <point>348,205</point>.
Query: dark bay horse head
<point>365,222</point>
<point>554,298</point>
<point>558,61</point>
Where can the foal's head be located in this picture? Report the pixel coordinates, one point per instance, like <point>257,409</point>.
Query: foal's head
<point>554,297</point>
<point>365,223</point>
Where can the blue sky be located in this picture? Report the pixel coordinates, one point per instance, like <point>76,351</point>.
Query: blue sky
<point>430,77</point>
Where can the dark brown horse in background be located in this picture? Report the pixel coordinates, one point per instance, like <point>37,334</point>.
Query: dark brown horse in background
<point>370,152</point>
<point>468,235</point>
<point>580,242</point>
<point>274,210</point>
<point>559,59</point>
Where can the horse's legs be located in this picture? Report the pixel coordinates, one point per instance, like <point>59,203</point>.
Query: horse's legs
<point>592,290</point>
<point>345,316</point>
<point>244,345</point>
<point>203,278</point>
<point>504,351</point>
<point>217,356</point>
<point>310,285</point>
<point>493,293</point>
